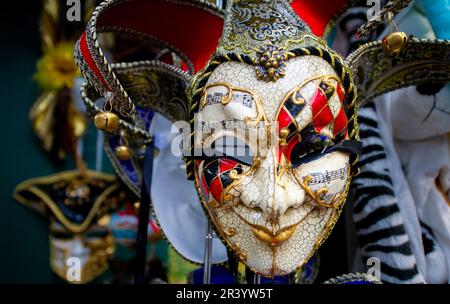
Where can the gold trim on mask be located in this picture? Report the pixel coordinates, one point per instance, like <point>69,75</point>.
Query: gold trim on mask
<point>225,101</point>
<point>317,196</point>
<point>297,89</point>
<point>32,186</point>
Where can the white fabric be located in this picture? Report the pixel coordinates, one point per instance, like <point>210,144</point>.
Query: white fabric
<point>175,201</point>
<point>418,149</point>
<point>416,164</point>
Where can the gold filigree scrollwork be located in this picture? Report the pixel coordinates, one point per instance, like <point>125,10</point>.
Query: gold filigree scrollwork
<point>225,100</point>
<point>318,195</point>
<point>240,254</point>
<point>230,232</point>
<point>250,121</point>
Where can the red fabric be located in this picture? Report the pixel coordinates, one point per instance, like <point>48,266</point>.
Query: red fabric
<point>90,61</point>
<point>322,115</point>
<point>193,31</point>
<point>317,13</point>
<point>153,226</point>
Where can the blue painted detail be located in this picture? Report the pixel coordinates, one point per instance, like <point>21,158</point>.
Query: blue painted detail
<point>146,115</point>
<point>127,165</point>
<point>359,283</point>
<point>275,280</point>
<point>219,275</point>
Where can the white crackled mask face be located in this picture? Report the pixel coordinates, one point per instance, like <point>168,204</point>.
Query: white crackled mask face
<point>274,168</point>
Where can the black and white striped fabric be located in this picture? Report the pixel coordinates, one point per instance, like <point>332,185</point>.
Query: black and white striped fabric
<point>379,223</point>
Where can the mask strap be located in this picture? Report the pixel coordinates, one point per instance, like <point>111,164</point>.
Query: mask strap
<point>353,147</point>
<point>144,213</point>
<point>208,254</point>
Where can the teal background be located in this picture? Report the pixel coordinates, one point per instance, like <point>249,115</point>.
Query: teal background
<point>24,251</point>
<point>24,241</point>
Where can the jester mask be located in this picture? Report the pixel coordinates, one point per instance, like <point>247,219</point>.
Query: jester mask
<point>270,135</point>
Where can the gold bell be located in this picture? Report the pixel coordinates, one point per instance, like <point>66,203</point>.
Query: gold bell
<point>107,121</point>
<point>123,152</point>
<point>284,132</point>
<point>395,42</point>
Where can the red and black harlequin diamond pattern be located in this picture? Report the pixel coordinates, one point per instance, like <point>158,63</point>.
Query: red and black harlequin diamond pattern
<point>322,117</point>
<point>216,175</point>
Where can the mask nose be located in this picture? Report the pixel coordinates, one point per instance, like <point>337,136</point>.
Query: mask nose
<point>286,195</point>
<point>271,192</point>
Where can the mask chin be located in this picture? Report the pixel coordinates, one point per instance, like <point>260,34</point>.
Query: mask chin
<point>85,254</point>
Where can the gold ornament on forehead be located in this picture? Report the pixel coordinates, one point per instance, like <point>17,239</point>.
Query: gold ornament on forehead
<point>270,62</point>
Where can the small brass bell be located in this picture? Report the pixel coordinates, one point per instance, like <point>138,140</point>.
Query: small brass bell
<point>107,121</point>
<point>395,42</point>
<point>123,152</point>
<point>284,132</point>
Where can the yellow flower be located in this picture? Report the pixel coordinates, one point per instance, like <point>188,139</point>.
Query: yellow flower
<point>56,69</point>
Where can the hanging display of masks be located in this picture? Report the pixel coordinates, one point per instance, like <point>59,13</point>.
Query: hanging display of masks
<point>78,207</point>
<point>267,112</point>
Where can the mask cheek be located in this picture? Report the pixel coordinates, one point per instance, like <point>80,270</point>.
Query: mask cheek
<point>326,178</point>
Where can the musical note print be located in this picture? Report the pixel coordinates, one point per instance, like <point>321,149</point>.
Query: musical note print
<point>328,176</point>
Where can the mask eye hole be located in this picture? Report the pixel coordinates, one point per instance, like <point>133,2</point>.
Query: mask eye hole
<point>62,235</point>
<point>310,148</point>
<point>97,234</point>
<point>351,147</point>
<point>228,147</point>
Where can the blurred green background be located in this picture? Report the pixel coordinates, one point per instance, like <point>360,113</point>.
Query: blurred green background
<point>24,247</point>
<point>20,156</point>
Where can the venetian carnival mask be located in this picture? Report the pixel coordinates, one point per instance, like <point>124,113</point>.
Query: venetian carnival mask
<point>78,207</point>
<point>92,250</point>
<point>273,139</point>
<point>280,155</point>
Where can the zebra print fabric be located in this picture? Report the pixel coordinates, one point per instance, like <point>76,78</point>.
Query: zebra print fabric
<point>378,221</point>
